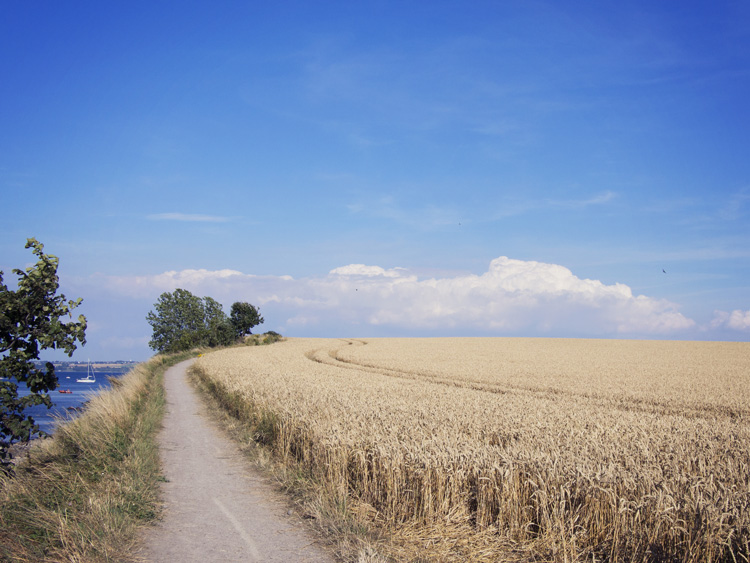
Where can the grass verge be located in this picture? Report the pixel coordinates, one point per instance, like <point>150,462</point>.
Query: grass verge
<point>82,494</point>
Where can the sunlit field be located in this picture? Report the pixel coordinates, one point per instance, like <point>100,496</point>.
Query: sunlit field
<point>514,449</point>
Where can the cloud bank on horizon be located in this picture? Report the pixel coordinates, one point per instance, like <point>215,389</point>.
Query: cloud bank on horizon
<point>512,298</point>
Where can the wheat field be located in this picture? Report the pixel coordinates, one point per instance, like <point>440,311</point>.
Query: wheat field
<point>512,449</point>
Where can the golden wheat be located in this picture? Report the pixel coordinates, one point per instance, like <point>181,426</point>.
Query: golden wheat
<point>564,449</point>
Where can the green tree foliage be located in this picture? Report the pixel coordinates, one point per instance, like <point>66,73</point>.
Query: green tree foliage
<point>182,321</point>
<point>219,329</point>
<point>30,321</point>
<point>244,317</point>
<point>178,322</point>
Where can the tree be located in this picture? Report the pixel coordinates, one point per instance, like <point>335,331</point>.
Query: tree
<point>219,330</point>
<point>183,321</point>
<point>30,322</point>
<point>244,317</point>
<point>179,322</point>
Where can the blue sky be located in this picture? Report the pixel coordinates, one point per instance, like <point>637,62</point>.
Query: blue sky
<point>385,168</point>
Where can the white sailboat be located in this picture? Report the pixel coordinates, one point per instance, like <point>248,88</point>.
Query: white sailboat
<point>90,376</point>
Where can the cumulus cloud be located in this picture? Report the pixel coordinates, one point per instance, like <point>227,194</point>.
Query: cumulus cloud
<point>147,286</point>
<point>736,320</point>
<point>511,297</point>
<point>367,271</point>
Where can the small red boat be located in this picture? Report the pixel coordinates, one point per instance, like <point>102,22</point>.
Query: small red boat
<point>64,391</point>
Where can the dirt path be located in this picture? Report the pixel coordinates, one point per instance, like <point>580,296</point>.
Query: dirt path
<point>217,508</point>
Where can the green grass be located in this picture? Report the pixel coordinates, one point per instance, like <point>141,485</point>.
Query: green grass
<point>83,494</point>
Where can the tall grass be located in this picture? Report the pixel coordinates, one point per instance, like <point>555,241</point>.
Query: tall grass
<point>474,462</point>
<point>81,495</point>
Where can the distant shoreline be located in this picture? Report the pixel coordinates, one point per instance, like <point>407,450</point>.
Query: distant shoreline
<point>109,365</point>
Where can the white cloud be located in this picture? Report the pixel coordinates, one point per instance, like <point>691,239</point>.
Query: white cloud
<point>366,271</point>
<point>511,297</point>
<point>148,286</point>
<point>519,296</point>
<point>736,320</point>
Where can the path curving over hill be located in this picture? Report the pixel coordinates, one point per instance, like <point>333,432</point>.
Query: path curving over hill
<point>216,507</point>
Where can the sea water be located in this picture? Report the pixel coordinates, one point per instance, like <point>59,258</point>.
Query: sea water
<point>68,405</point>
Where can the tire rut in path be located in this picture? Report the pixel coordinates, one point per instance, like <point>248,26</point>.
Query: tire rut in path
<point>216,507</point>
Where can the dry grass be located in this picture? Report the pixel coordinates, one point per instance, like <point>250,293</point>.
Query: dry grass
<point>82,495</point>
<point>513,449</point>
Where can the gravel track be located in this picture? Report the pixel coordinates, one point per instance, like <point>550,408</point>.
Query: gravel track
<point>216,507</point>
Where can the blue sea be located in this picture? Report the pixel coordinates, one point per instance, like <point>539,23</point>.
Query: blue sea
<point>68,405</point>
